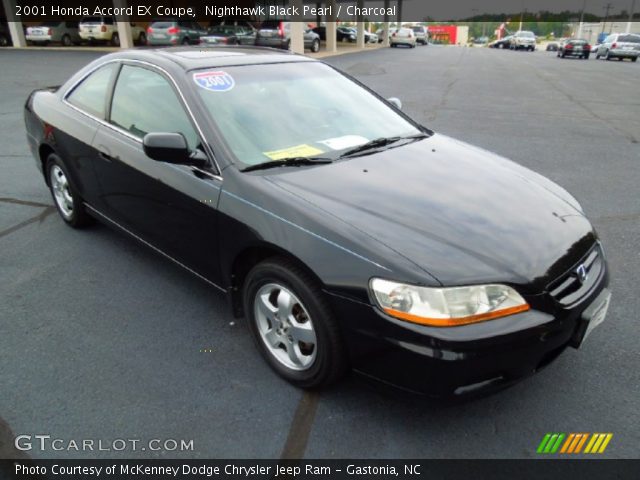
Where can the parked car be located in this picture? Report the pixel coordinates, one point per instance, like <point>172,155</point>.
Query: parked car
<point>481,41</point>
<point>277,34</point>
<point>552,47</point>
<point>345,34</point>
<point>575,47</point>
<point>5,36</point>
<point>380,34</point>
<point>174,31</point>
<point>523,40</point>
<point>402,36</point>
<point>105,30</point>
<point>504,42</point>
<point>620,46</point>
<point>229,35</point>
<point>368,36</point>
<point>421,33</point>
<point>65,33</point>
<point>452,287</point>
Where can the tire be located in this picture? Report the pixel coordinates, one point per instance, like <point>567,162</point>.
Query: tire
<point>634,59</point>
<point>607,56</point>
<point>597,56</point>
<point>185,41</point>
<point>142,38</point>
<point>278,288</point>
<point>66,41</point>
<point>65,197</point>
<point>315,46</point>
<point>4,41</point>
<point>501,46</point>
<point>115,40</point>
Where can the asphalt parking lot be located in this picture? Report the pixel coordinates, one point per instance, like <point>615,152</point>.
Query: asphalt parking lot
<point>102,339</point>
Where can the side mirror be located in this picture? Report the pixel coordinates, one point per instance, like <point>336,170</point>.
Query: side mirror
<point>395,102</point>
<point>171,148</point>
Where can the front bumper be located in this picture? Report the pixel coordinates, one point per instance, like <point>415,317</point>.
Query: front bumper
<point>464,360</point>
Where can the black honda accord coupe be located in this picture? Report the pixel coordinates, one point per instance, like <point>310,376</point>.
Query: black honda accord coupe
<point>348,235</point>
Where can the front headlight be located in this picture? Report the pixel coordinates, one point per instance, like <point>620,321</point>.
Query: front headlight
<point>446,307</point>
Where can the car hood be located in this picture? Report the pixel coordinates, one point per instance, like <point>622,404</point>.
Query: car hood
<point>462,214</point>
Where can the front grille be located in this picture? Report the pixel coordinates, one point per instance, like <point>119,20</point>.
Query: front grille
<point>571,287</point>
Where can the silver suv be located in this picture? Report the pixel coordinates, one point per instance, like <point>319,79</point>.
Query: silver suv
<point>523,40</point>
<point>620,46</point>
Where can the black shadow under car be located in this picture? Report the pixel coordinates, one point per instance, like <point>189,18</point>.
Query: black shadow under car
<point>348,235</point>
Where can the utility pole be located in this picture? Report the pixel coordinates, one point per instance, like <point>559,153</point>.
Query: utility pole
<point>606,16</point>
<point>633,6</point>
<point>584,5</point>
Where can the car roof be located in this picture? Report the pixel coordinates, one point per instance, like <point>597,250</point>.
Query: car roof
<point>194,58</point>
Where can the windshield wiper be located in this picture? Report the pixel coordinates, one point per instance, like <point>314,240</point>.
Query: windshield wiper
<point>380,142</point>
<point>289,162</point>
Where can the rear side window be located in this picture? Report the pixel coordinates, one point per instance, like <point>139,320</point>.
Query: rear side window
<point>91,95</point>
<point>144,102</point>
<point>629,38</point>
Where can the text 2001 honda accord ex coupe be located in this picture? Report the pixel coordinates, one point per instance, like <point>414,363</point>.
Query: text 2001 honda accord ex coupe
<point>346,234</point>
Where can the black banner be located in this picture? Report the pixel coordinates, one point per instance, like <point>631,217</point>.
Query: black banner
<point>539,469</point>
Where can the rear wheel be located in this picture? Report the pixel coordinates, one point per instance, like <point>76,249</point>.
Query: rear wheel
<point>634,59</point>
<point>185,41</point>
<point>67,200</point>
<point>66,40</point>
<point>115,40</point>
<point>607,56</point>
<point>292,325</point>
<point>142,38</point>
<point>315,46</point>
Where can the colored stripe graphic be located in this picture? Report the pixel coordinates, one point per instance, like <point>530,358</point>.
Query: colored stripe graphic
<point>550,443</point>
<point>573,443</point>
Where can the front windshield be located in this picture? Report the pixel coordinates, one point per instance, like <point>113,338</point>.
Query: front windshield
<point>303,109</point>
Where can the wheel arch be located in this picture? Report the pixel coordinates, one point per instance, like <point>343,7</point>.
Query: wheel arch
<point>248,258</point>
<point>43,153</point>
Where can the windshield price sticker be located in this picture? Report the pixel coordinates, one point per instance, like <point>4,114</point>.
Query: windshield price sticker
<point>214,81</point>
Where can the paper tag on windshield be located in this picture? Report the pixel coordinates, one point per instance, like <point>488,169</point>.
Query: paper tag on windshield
<point>297,151</point>
<point>348,141</point>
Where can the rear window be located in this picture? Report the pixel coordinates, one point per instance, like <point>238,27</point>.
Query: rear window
<point>91,20</point>
<point>629,38</point>
<point>270,25</point>
<point>526,34</point>
<point>162,25</point>
<point>417,29</point>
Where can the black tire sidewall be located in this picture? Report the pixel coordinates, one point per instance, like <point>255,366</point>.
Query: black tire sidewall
<point>329,362</point>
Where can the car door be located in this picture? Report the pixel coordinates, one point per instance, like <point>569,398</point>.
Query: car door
<point>85,107</point>
<point>172,207</point>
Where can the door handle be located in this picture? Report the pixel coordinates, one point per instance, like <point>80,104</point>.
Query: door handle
<point>105,156</point>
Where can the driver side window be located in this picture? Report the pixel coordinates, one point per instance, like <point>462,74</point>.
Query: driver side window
<point>144,102</point>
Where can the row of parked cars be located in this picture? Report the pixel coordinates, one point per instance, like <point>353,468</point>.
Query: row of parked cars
<point>177,31</point>
<point>616,45</point>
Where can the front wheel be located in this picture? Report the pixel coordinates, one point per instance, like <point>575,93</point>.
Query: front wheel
<point>115,40</point>
<point>292,324</point>
<point>67,200</point>
<point>634,59</point>
<point>66,41</point>
<point>315,46</point>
